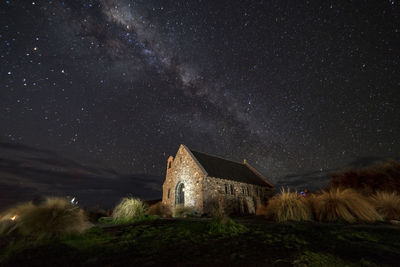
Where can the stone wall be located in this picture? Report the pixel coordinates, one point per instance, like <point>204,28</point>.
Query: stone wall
<point>183,169</point>
<point>233,197</point>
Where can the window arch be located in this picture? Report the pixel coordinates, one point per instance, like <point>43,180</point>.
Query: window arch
<point>180,194</point>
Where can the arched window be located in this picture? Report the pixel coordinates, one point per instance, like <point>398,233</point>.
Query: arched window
<point>180,194</point>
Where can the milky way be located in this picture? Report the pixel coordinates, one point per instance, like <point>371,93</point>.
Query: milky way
<point>293,88</point>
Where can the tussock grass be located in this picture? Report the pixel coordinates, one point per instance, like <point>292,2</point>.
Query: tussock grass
<point>387,204</point>
<point>54,217</point>
<point>338,204</point>
<point>183,211</point>
<point>128,209</point>
<point>288,206</point>
<point>225,226</point>
<point>159,209</point>
<point>261,210</point>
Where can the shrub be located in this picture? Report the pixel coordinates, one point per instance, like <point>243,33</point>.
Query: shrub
<point>159,209</point>
<point>226,226</point>
<point>95,214</point>
<point>52,218</point>
<point>288,206</point>
<point>387,204</point>
<point>382,176</point>
<point>183,211</point>
<point>344,204</point>
<point>128,209</point>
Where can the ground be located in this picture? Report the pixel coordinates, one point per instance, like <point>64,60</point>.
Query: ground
<point>207,242</point>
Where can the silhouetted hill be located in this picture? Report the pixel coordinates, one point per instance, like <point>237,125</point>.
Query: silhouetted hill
<point>27,172</point>
<point>315,180</point>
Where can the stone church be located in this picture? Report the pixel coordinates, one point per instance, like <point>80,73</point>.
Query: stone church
<point>209,183</point>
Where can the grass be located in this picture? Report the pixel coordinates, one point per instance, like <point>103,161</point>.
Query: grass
<point>179,242</point>
<point>55,217</point>
<point>311,259</point>
<point>159,209</point>
<point>347,205</point>
<point>138,219</point>
<point>387,204</point>
<point>128,209</point>
<point>226,226</point>
<point>288,206</point>
<point>183,211</point>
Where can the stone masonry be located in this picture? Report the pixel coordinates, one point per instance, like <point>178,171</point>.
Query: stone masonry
<point>187,183</point>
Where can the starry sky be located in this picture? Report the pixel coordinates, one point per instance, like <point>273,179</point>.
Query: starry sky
<point>291,86</point>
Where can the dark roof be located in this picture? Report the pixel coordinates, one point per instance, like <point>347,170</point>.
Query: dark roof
<point>227,169</point>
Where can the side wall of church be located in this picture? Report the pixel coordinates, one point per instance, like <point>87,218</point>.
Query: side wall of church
<point>229,196</point>
<point>183,169</point>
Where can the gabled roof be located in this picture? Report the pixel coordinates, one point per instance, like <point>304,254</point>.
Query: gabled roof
<point>226,169</point>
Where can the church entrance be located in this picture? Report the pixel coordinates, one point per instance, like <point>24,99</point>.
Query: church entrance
<point>180,194</point>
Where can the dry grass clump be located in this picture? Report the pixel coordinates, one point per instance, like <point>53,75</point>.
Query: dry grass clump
<point>159,209</point>
<point>383,176</point>
<point>261,210</point>
<point>387,204</point>
<point>288,206</point>
<point>338,204</point>
<point>183,211</point>
<point>53,218</point>
<point>129,208</point>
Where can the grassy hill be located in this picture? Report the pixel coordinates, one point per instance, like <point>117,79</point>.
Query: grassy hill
<point>187,242</point>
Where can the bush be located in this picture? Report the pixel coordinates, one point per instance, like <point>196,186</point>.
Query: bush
<point>387,204</point>
<point>382,176</point>
<point>183,211</point>
<point>288,206</point>
<point>344,204</point>
<point>128,209</point>
<point>53,218</point>
<point>159,209</point>
<point>226,226</point>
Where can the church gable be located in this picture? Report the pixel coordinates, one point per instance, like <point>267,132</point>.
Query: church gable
<point>183,183</point>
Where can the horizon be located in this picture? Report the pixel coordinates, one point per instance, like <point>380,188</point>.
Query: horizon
<point>28,173</point>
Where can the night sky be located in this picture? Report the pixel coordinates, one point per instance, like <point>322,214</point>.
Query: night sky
<point>293,87</point>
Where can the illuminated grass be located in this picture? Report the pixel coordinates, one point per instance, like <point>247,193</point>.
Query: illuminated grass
<point>387,204</point>
<point>226,226</point>
<point>339,204</point>
<point>128,209</point>
<point>288,206</point>
<point>53,218</point>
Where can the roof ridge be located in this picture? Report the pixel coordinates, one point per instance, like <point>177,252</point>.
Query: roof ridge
<point>216,156</point>
<point>260,175</point>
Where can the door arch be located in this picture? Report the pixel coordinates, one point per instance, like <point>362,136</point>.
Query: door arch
<point>180,194</point>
